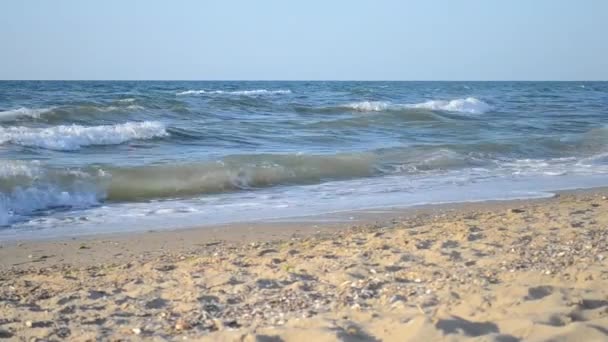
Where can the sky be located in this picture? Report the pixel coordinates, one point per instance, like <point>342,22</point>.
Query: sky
<point>304,40</point>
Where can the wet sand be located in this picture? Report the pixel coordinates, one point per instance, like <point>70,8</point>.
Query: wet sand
<point>531,270</point>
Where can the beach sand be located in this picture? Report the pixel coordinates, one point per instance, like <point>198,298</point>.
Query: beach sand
<point>532,270</point>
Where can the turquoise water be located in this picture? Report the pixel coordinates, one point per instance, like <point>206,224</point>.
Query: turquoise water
<point>88,157</point>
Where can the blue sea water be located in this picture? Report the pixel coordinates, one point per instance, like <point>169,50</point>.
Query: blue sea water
<point>94,157</point>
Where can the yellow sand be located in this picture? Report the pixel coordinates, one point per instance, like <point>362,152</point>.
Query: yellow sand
<point>531,270</point>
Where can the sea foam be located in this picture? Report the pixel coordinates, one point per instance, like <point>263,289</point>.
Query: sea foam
<point>74,137</point>
<point>25,201</point>
<point>469,105</point>
<point>36,113</point>
<point>115,108</point>
<point>254,92</point>
<point>17,168</point>
<point>371,106</point>
<point>27,187</point>
<point>13,114</point>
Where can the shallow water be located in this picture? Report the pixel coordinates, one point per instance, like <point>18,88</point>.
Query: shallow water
<point>87,157</point>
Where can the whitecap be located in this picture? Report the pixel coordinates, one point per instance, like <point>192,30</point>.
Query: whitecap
<point>36,113</point>
<point>469,105</point>
<point>13,114</point>
<point>74,137</point>
<point>254,92</point>
<point>115,108</point>
<point>28,186</point>
<point>17,168</point>
<point>22,202</point>
<point>370,106</point>
<point>127,100</point>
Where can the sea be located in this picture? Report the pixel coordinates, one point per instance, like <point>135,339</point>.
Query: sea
<point>90,157</point>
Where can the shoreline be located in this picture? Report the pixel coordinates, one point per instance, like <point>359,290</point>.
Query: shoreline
<point>18,251</point>
<point>69,249</point>
<point>532,269</point>
<point>136,217</point>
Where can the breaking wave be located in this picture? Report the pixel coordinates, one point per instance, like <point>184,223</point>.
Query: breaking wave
<point>469,105</point>
<point>78,110</point>
<point>27,188</point>
<point>27,201</point>
<point>74,137</point>
<point>231,173</point>
<point>255,92</point>
<point>371,106</point>
<point>235,173</point>
<point>13,114</point>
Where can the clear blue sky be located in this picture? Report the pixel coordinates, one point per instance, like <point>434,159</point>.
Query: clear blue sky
<point>311,39</point>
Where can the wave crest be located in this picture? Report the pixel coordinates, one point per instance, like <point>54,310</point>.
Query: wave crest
<point>13,114</point>
<point>370,106</point>
<point>74,137</point>
<point>29,187</point>
<point>116,108</point>
<point>234,173</point>
<point>254,92</point>
<point>469,105</point>
<point>16,168</point>
<point>37,113</point>
<point>26,201</point>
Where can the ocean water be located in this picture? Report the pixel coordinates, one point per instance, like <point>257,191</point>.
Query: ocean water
<point>95,157</point>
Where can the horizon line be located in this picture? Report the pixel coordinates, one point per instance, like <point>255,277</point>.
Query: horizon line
<point>283,80</point>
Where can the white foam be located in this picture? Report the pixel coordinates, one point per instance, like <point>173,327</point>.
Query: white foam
<point>36,113</point>
<point>16,168</point>
<point>25,201</point>
<point>594,165</point>
<point>27,187</point>
<point>75,136</point>
<point>370,106</point>
<point>115,108</point>
<point>12,114</point>
<point>596,160</point>
<point>469,105</point>
<point>255,92</point>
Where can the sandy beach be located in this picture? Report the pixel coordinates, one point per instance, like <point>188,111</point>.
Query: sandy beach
<point>313,171</point>
<point>533,270</point>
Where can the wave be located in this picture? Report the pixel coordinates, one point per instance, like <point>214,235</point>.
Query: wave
<point>235,173</point>
<point>386,119</point>
<point>23,202</point>
<point>26,188</point>
<point>231,173</point>
<point>127,100</point>
<point>13,114</point>
<point>30,187</point>
<point>255,92</point>
<point>16,168</point>
<point>77,110</point>
<point>469,105</point>
<point>371,106</point>
<point>115,108</point>
<point>74,137</point>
